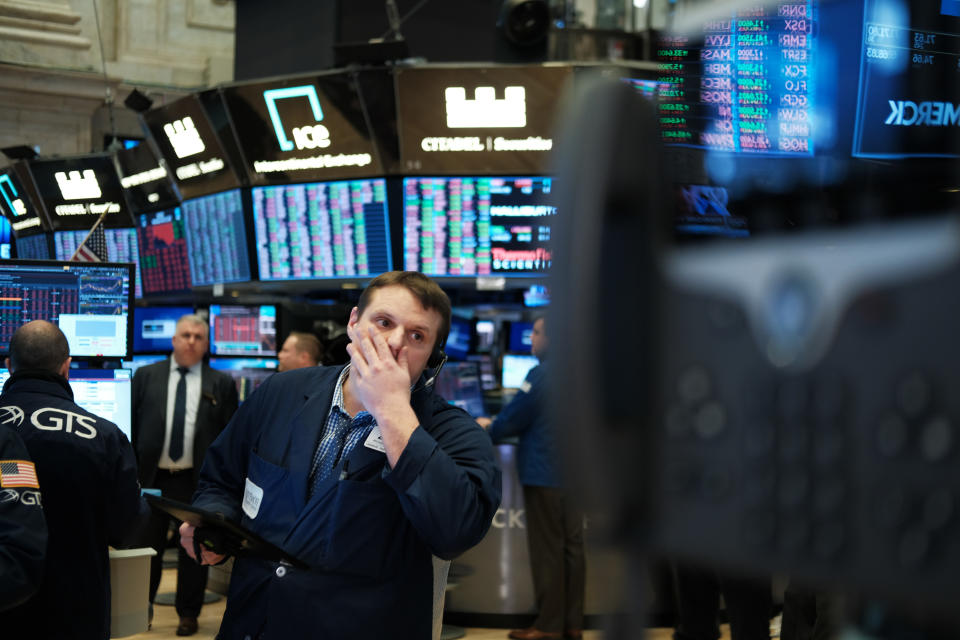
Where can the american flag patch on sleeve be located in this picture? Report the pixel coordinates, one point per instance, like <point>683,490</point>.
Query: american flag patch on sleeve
<point>18,473</point>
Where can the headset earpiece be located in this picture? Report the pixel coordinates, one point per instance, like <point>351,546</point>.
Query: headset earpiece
<point>436,358</point>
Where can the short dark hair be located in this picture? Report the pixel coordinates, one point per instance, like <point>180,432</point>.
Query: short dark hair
<point>428,292</point>
<point>38,345</point>
<point>309,344</point>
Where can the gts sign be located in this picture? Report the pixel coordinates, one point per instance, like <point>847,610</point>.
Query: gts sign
<point>310,136</point>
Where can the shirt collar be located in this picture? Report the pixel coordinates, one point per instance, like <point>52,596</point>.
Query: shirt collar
<point>337,402</point>
<point>194,369</point>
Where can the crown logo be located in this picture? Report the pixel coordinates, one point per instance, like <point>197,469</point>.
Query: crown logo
<point>184,137</point>
<point>485,111</point>
<point>76,187</point>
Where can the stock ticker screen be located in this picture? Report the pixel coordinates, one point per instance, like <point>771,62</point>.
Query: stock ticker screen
<point>164,267</point>
<point>322,230</point>
<point>478,226</point>
<point>121,247</point>
<point>35,247</point>
<point>743,84</point>
<point>90,302</point>
<point>908,102</point>
<point>239,330</point>
<point>216,238</point>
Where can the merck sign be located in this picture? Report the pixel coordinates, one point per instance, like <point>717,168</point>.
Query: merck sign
<point>906,113</point>
<point>306,137</point>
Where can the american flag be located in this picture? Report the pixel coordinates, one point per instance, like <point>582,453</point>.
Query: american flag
<point>94,248</point>
<point>18,473</point>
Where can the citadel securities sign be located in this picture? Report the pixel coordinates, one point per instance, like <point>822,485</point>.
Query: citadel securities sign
<point>478,120</point>
<point>303,128</point>
<point>192,151</point>
<point>76,191</point>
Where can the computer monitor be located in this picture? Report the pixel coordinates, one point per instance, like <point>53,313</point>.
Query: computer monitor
<point>35,247</point>
<point>154,327</point>
<point>537,295</point>
<point>515,369</point>
<point>121,247</point>
<point>459,339</point>
<point>216,238</point>
<point>486,335</point>
<point>104,392</point>
<point>243,330</point>
<point>459,384</point>
<point>247,373</point>
<point>322,230</point>
<point>488,378</point>
<point>478,226</point>
<point>137,361</point>
<point>90,302</point>
<point>164,267</point>
<point>520,333</point>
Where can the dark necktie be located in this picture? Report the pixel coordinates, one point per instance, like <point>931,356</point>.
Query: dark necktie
<point>179,416</point>
<point>332,449</point>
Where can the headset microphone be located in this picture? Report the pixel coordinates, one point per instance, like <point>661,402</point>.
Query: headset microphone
<point>429,382</point>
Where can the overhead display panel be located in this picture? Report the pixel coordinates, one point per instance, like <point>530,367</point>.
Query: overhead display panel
<point>18,207</point>
<point>145,180</point>
<point>472,120</point>
<point>908,100</point>
<point>322,230</point>
<point>76,191</point>
<point>302,129</point>
<point>194,155</point>
<point>478,226</point>
<point>164,266</point>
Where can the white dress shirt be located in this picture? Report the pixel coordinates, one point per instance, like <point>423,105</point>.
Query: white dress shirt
<point>194,378</point>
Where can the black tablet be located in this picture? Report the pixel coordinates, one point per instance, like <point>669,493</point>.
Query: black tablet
<point>249,542</point>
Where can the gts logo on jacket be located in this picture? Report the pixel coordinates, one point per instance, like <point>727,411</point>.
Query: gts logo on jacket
<point>51,419</point>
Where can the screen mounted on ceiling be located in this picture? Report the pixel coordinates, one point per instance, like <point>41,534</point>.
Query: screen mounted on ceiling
<point>301,129</point>
<point>458,120</point>
<point>193,153</point>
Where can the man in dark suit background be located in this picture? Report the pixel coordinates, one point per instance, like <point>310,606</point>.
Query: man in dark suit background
<point>180,406</point>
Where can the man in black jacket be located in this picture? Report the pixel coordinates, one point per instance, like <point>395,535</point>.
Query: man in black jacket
<point>23,530</point>
<point>180,406</point>
<point>88,477</point>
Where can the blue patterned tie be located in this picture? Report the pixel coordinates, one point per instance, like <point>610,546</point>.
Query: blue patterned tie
<point>336,445</point>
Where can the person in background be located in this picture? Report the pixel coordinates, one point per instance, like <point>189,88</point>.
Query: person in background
<point>300,349</point>
<point>810,614</point>
<point>180,405</point>
<point>88,477</point>
<point>361,472</point>
<point>23,529</point>
<point>748,602</point>
<point>554,523</point>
